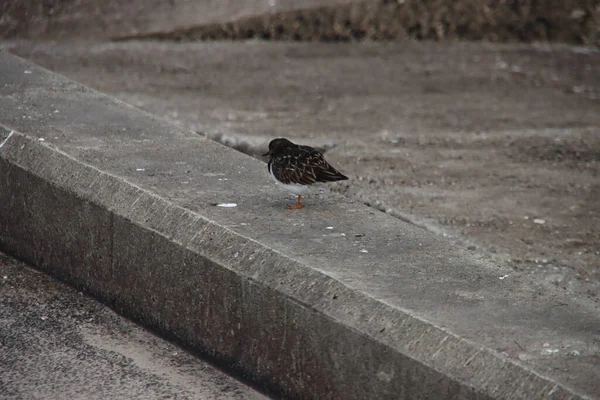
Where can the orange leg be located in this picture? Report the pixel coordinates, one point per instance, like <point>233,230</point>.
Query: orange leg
<point>297,205</point>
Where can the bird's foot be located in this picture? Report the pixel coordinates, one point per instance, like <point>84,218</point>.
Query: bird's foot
<point>297,205</point>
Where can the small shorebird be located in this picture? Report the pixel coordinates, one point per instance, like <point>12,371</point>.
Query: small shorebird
<point>298,168</point>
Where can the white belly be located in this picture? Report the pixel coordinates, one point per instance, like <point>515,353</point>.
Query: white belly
<point>299,190</point>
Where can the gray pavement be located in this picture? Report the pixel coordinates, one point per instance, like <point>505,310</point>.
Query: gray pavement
<point>57,343</point>
<point>335,301</point>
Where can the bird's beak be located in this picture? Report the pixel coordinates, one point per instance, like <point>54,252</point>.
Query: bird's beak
<point>267,153</point>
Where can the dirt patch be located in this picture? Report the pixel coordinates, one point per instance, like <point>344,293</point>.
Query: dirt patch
<point>528,198</point>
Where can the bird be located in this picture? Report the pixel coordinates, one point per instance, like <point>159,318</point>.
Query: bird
<point>298,168</point>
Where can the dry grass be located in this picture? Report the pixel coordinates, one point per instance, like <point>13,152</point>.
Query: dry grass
<point>572,21</point>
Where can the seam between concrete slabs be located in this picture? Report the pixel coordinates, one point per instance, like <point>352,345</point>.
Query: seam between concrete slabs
<point>477,353</point>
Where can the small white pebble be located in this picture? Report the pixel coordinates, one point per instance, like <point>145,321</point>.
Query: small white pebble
<point>140,169</point>
<point>342,234</point>
<point>364,250</point>
<point>526,217</point>
<point>539,221</point>
<point>44,318</point>
<point>329,227</point>
<point>27,71</point>
<point>42,139</point>
<point>503,277</point>
<point>243,224</point>
<point>5,277</point>
<point>56,111</point>
<point>227,205</point>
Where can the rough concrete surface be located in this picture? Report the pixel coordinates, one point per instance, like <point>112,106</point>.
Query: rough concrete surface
<point>496,147</point>
<point>373,307</point>
<point>56,343</point>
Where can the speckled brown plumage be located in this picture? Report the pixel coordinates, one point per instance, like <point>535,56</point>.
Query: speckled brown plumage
<point>296,167</point>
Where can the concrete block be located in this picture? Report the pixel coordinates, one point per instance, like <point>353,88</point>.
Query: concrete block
<point>120,203</point>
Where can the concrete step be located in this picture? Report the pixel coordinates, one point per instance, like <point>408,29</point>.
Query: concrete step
<point>336,301</point>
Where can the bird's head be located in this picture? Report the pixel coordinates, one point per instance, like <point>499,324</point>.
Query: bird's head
<point>277,146</point>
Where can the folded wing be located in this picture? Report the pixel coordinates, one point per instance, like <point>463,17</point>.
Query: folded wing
<point>305,167</point>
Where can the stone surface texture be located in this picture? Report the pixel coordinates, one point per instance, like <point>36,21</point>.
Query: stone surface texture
<point>121,204</point>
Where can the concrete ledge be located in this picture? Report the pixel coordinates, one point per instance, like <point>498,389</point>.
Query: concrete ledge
<point>120,204</point>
